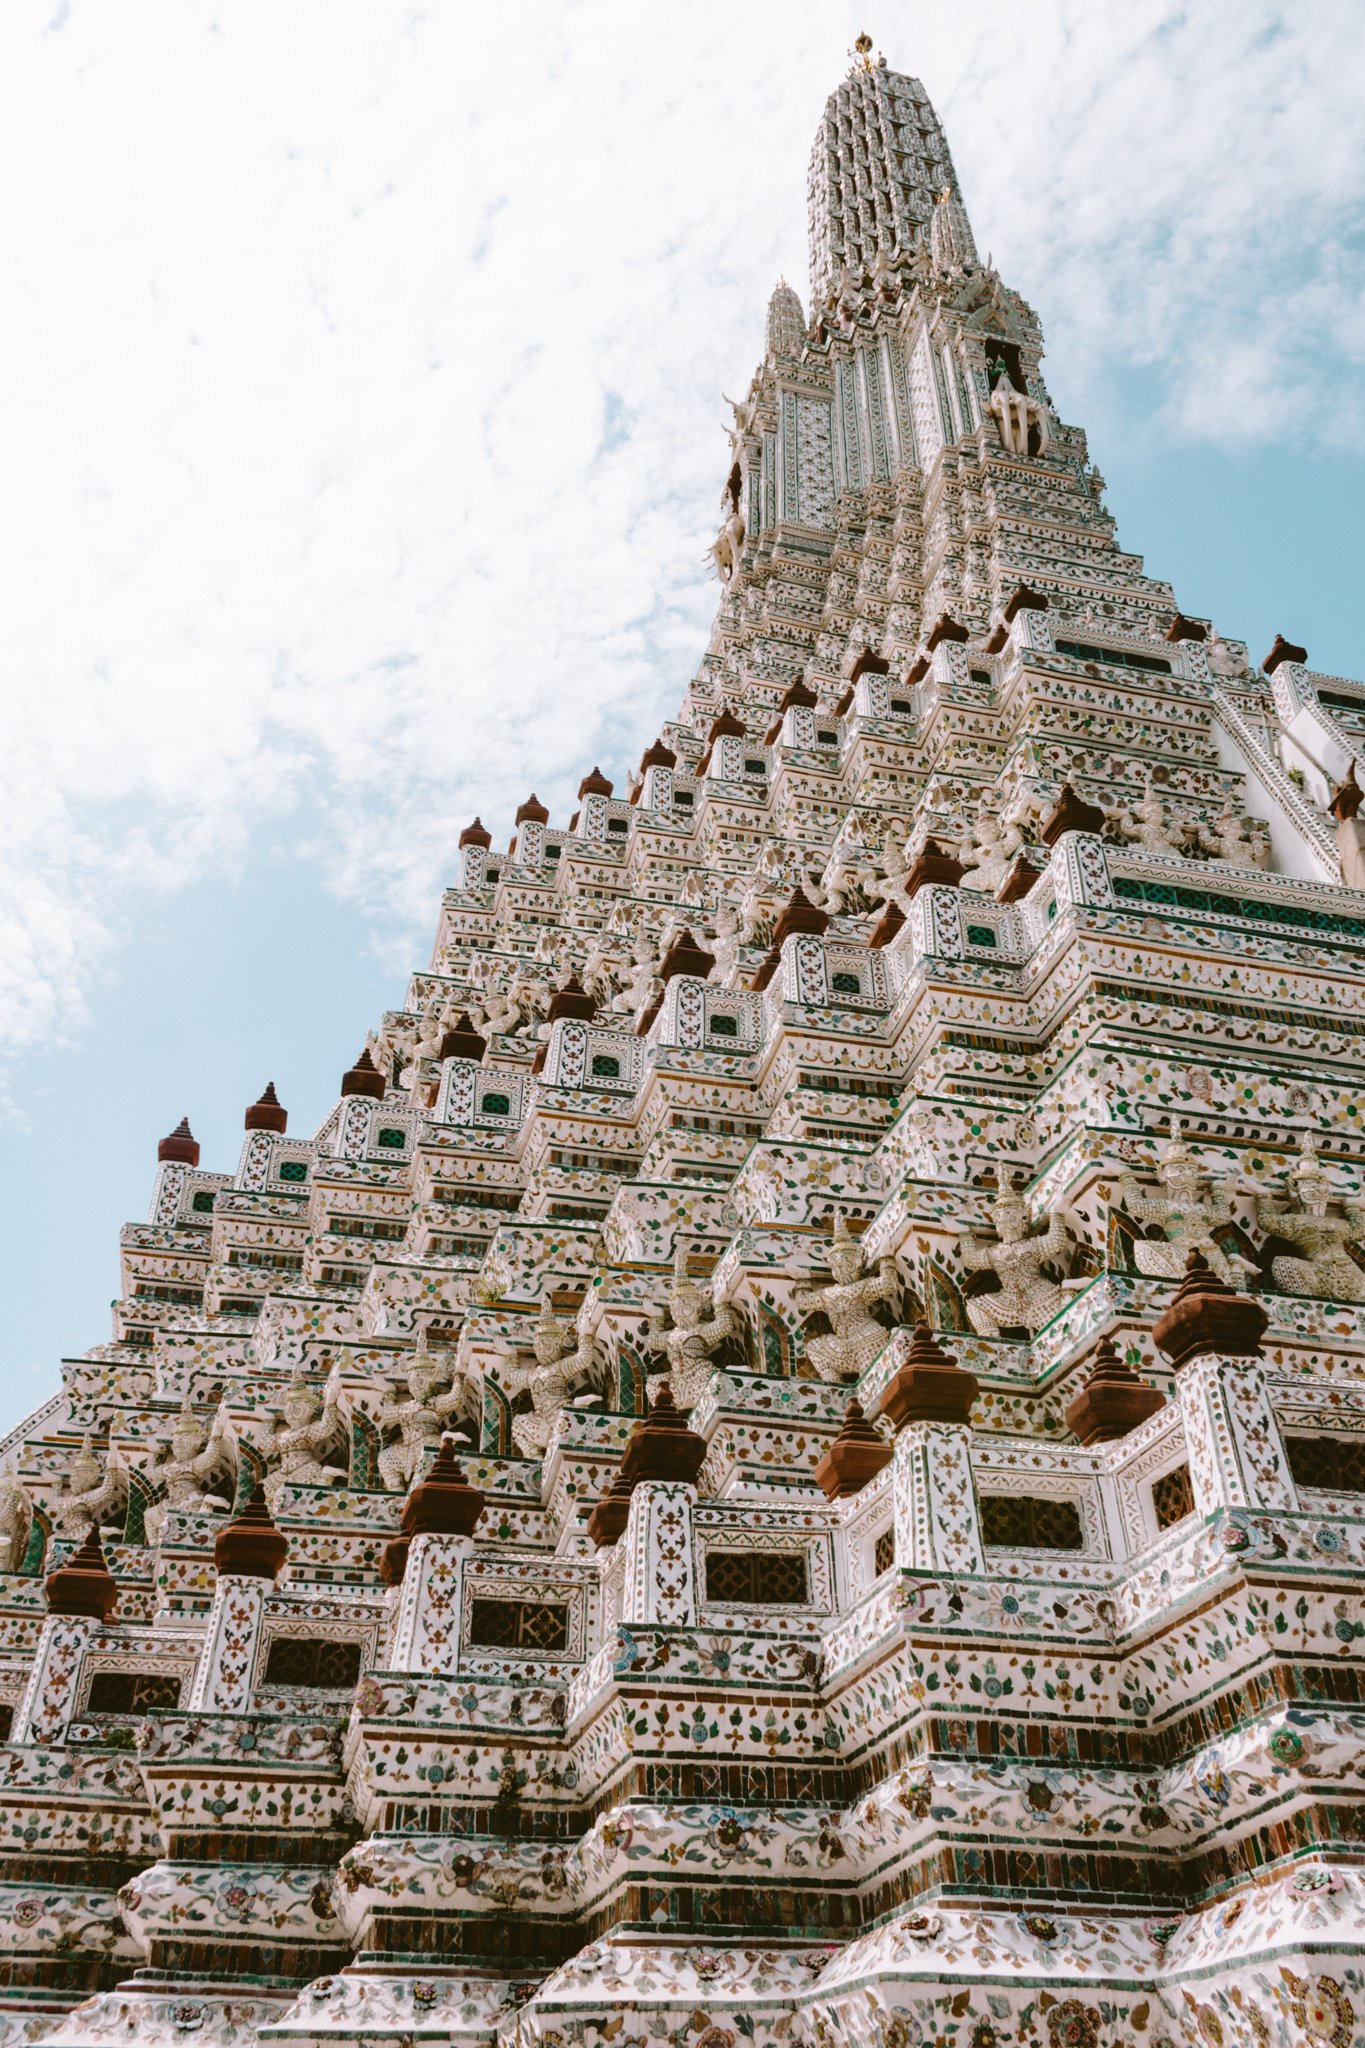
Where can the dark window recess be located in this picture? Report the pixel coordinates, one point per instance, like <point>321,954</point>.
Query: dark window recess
<point>902,706</point>
<point>392,1141</point>
<point>618,824</point>
<point>1115,657</point>
<point>519,1624</point>
<point>724,1027</point>
<point>552,852</point>
<point>132,1692</point>
<point>826,739</point>
<point>1002,359</point>
<point>1336,1464</point>
<point>496,1105</point>
<point>1019,1521</point>
<point>979,675</point>
<point>605,1066</point>
<point>755,767</point>
<point>305,1660</point>
<point>6,1720</point>
<point>251,1306</point>
<point>492,874</point>
<point>683,799</point>
<point>293,1169</point>
<point>1173,1497</point>
<point>757,1578</point>
<point>980,935</point>
<point>201,1201</point>
<point>884,1556</point>
<point>845,984</point>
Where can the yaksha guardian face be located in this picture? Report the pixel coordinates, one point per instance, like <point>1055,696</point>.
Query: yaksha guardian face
<point>845,1261</point>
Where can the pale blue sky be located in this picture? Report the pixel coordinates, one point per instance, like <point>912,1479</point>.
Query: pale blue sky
<point>363,438</point>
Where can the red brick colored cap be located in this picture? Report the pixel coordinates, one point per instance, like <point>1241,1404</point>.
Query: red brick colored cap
<point>1283,650</point>
<point>1113,1401</point>
<point>444,1503</point>
<point>267,1113</point>
<point>685,956</point>
<point>250,1546</point>
<point>1182,628</point>
<point>1208,1315</point>
<point>866,663</point>
<point>661,1446</point>
<point>1023,598</point>
<point>594,784</point>
<point>658,756</point>
<point>799,914</point>
<point>946,627</point>
<point>532,812</point>
<point>462,1041</point>
<point>858,1453</point>
<point>181,1145</point>
<point>84,1585</point>
<point>572,1000</point>
<point>476,835</point>
<point>364,1078</point>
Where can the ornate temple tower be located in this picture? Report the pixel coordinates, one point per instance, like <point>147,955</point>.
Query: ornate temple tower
<point>786,1463</point>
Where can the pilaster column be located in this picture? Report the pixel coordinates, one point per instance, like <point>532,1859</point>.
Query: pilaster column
<point>48,1706</point>
<point>426,1635</point>
<point>227,1662</point>
<point>661,1580</point>
<point>1237,1455</point>
<point>933,1496</point>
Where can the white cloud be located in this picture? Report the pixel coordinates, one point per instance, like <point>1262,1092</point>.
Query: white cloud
<point>362,419</point>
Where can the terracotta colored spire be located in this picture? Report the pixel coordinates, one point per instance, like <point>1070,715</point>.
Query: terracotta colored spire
<point>532,812</point>
<point>857,1454</point>
<point>181,1145</point>
<point>930,1387</point>
<point>594,783</point>
<point>1283,650</point>
<point>661,1446</point>
<point>685,956</point>
<point>84,1584</point>
<point>1070,813</point>
<point>658,756</point>
<point>462,1041</point>
<point>267,1113</point>
<point>571,1001</point>
<point>1208,1315</point>
<point>1113,1401</point>
<point>364,1078</point>
<point>608,1519</point>
<point>476,834</point>
<point>442,1504</point>
<point>250,1546</point>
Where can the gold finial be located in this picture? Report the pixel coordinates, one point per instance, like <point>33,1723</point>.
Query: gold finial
<point>862,51</point>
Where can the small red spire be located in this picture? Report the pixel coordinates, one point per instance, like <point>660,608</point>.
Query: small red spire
<point>267,1113</point>
<point>594,784</point>
<point>84,1585</point>
<point>532,812</point>
<point>476,835</point>
<point>250,1546</point>
<point>181,1145</point>
<point>364,1078</point>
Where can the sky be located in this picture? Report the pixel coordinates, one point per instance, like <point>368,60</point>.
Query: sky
<point>363,436</point>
